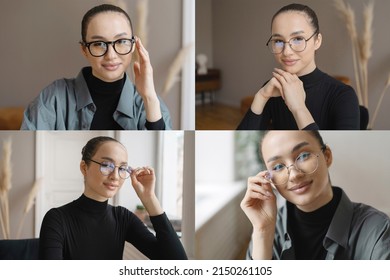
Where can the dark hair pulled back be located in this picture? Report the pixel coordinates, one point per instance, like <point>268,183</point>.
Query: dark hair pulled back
<point>300,8</point>
<point>97,10</point>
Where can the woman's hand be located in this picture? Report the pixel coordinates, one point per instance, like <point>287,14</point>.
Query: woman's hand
<point>272,89</point>
<point>259,203</point>
<point>294,96</point>
<point>144,83</point>
<point>143,180</point>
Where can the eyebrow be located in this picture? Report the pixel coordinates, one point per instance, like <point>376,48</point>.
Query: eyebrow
<point>292,34</point>
<point>110,159</point>
<point>296,147</point>
<point>103,38</point>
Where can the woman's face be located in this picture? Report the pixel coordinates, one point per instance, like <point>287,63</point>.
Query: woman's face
<point>108,26</point>
<point>308,191</point>
<point>291,24</point>
<point>98,186</point>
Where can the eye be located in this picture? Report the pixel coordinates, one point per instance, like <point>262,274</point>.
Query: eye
<point>107,164</point>
<point>303,156</point>
<point>98,45</point>
<point>278,167</point>
<point>278,43</point>
<point>123,42</point>
<point>297,40</point>
<point>124,168</point>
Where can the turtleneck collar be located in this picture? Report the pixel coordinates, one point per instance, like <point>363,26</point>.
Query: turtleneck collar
<point>322,215</point>
<point>97,86</point>
<point>312,78</point>
<point>92,206</point>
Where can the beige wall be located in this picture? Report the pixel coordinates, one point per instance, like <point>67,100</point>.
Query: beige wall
<point>23,162</point>
<point>240,30</point>
<point>204,31</point>
<point>40,44</point>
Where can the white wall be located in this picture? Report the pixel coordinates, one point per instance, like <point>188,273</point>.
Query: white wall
<point>214,157</point>
<point>240,30</point>
<point>40,44</point>
<point>360,166</point>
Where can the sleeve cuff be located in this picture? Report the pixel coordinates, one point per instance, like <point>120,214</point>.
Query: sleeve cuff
<point>157,125</point>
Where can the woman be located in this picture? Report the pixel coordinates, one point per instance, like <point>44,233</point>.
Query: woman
<point>102,96</point>
<point>90,228</point>
<point>299,95</point>
<point>318,221</point>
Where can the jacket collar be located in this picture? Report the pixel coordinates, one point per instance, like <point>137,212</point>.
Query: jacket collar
<point>84,99</point>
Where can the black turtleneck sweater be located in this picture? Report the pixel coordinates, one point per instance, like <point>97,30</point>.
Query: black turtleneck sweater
<point>106,96</point>
<point>88,229</point>
<point>308,229</point>
<point>332,104</point>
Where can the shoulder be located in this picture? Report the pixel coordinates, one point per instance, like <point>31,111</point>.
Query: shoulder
<point>369,216</point>
<point>334,85</point>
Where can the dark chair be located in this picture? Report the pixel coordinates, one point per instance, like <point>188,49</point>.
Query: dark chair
<point>19,249</point>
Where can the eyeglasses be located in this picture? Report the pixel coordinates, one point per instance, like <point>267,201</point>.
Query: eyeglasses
<point>306,163</point>
<point>297,44</point>
<point>100,48</point>
<point>107,167</point>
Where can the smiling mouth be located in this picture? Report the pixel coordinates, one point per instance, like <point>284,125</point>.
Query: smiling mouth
<point>301,188</point>
<point>111,67</point>
<point>110,186</point>
<point>289,62</point>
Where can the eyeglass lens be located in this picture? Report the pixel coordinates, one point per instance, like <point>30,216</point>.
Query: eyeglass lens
<point>297,44</point>
<point>121,46</point>
<point>106,168</point>
<point>306,163</point>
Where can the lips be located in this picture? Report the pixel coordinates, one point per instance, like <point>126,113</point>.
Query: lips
<point>110,186</point>
<point>111,66</point>
<point>289,62</point>
<point>301,188</point>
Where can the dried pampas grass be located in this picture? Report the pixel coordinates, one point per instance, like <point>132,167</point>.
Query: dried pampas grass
<point>361,46</point>
<point>29,203</point>
<point>387,85</point>
<point>175,68</point>
<point>5,187</point>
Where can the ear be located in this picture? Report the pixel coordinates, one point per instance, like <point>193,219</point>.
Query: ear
<point>318,41</point>
<point>84,50</point>
<point>83,167</point>
<point>328,156</point>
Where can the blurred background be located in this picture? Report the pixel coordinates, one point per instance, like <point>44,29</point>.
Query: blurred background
<point>40,44</point>
<point>225,159</point>
<point>232,34</point>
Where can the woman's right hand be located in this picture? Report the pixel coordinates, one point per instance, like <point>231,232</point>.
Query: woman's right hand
<point>259,203</point>
<point>271,89</point>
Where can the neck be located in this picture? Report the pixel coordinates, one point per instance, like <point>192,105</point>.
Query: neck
<point>323,198</point>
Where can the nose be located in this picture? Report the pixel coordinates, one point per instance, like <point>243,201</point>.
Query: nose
<point>294,173</point>
<point>111,53</point>
<point>114,175</point>
<point>287,49</point>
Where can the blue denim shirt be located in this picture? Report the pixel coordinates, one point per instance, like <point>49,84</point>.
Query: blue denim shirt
<point>357,232</point>
<point>66,104</point>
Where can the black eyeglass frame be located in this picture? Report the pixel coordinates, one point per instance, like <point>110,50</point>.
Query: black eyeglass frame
<point>288,42</point>
<point>107,43</point>
<point>129,169</point>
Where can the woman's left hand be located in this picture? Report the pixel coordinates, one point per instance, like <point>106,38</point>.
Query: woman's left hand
<point>144,83</point>
<point>143,180</point>
<point>294,96</point>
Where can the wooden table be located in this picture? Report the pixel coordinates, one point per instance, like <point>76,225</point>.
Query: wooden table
<point>209,82</point>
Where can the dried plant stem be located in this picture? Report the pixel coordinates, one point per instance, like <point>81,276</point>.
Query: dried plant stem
<point>3,202</point>
<point>5,186</point>
<point>29,203</point>
<point>371,125</point>
<point>356,72</point>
